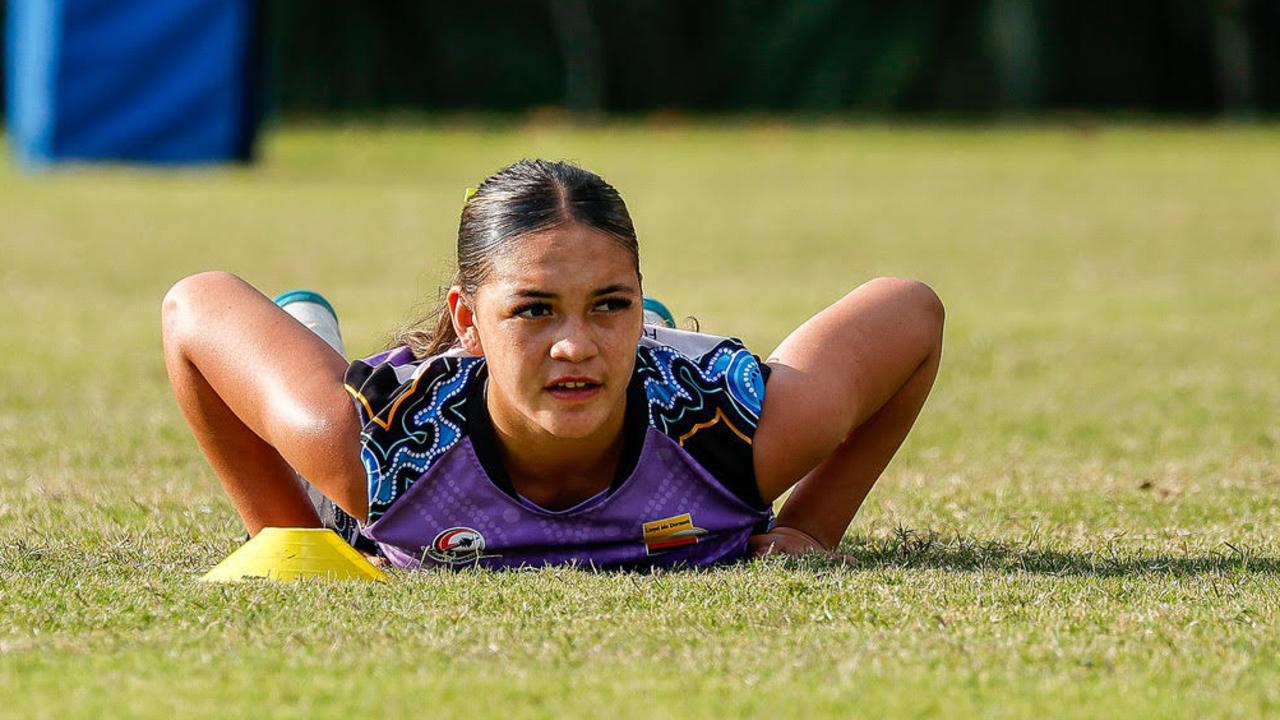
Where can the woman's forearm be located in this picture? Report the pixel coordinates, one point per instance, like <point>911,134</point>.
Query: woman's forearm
<point>824,502</point>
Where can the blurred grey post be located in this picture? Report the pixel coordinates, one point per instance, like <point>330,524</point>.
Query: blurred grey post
<point>1232,54</point>
<point>1015,42</point>
<point>582,51</point>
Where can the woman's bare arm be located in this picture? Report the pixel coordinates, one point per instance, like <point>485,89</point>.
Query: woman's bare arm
<point>845,389</point>
<point>264,397</point>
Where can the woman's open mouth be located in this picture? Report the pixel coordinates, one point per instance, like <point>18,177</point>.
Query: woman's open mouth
<point>573,389</point>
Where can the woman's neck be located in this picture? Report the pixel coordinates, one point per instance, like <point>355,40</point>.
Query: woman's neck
<point>553,472</point>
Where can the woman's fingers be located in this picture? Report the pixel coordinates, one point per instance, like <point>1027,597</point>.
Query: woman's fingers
<point>783,541</point>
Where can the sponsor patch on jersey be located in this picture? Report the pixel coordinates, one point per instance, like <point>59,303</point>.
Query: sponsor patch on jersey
<point>667,534</point>
<point>457,546</point>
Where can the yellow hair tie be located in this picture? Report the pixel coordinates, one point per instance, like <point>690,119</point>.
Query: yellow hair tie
<point>467,195</point>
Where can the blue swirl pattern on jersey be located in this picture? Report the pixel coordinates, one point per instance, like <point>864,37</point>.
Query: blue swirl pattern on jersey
<point>682,392</point>
<point>428,424</point>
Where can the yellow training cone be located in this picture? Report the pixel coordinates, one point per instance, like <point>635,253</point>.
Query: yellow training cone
<point>292,553</point>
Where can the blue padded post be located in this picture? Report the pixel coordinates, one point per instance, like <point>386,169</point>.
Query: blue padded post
<point>132,80</point>
<point>32,36</point>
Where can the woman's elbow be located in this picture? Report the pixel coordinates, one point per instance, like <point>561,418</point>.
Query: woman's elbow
<point>182,304</point>
<point>919,306</point>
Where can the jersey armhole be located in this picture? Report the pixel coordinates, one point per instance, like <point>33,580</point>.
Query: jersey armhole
<point>710,405</point>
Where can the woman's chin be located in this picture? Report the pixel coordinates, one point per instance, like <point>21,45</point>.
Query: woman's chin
<point>571,426</point>
<point>570,432</point>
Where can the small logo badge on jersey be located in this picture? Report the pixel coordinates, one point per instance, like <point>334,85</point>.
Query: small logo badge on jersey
<point>667,534</point>
<point>457,546</point>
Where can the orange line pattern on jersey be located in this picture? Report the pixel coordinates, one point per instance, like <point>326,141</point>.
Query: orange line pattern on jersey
<point>391,413</point>
<point>718,417</point>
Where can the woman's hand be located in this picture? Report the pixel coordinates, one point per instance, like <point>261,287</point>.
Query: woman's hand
<point>783,540</point>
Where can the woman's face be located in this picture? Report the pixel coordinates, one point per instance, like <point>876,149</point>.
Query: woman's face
<point>558,320</point>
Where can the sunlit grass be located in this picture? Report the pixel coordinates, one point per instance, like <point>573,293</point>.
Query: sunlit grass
<point>1083,523</point>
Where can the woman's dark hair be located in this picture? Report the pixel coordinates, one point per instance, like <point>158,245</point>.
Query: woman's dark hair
<point>527,197</point>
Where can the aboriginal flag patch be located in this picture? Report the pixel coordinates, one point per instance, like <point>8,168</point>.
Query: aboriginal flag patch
<point>667,534</point>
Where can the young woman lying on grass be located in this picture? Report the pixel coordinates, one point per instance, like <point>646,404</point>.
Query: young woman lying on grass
<point>542,421</point>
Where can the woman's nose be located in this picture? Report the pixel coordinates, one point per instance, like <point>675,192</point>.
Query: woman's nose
<point>575,344</point>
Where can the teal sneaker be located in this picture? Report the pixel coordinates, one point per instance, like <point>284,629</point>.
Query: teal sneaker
<point>655,313</point>
<point>311,309</point>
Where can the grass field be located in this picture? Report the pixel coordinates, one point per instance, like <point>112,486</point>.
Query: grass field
<point>1083,524</point>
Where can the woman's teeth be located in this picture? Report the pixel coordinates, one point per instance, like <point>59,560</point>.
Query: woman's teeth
<point>571,385</point>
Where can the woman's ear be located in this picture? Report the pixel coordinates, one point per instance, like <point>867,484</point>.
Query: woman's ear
<point>464,321</point>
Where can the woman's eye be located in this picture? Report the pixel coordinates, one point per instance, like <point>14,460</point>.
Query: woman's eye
<point>613,305</point>
<point>533,311</point>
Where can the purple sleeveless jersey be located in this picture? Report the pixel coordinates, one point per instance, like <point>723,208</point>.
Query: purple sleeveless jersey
<point>432,503</point>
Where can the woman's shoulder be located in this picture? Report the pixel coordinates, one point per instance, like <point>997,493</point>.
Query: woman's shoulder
<point>413,412</point>
<point>705,392</point>
<point>672,360</point>
<point>382,383</point>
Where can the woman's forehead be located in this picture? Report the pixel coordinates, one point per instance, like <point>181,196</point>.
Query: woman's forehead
<point>563,260</point>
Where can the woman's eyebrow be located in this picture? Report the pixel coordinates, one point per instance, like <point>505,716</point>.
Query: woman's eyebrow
<point>544,295</point>
<point>610,289</point>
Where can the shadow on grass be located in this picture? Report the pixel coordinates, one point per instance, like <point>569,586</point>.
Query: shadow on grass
<point>915,549</point>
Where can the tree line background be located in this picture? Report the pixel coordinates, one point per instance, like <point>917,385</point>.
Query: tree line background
<point>958,57</point>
